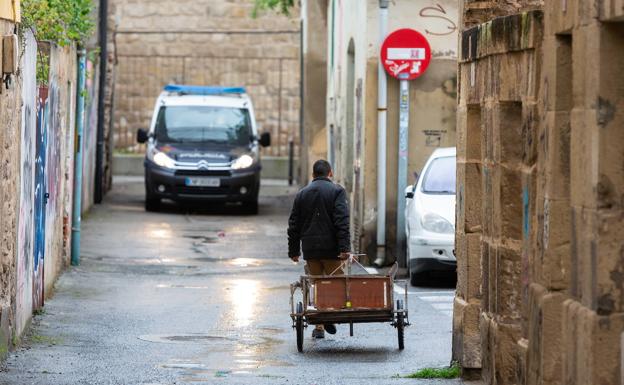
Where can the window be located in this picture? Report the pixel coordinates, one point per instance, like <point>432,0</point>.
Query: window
<point>440,176</point>
<point>203,124</point>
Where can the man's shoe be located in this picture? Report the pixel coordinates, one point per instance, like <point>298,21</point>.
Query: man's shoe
<point>318,333</point>
<point>330,328</point>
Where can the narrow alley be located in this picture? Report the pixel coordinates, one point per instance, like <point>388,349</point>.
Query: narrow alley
<point>181,297</point>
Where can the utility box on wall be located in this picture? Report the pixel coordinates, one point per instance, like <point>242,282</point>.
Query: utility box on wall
<point>10,50</point>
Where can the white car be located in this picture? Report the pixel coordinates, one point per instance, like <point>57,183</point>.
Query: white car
<point>430,216</point>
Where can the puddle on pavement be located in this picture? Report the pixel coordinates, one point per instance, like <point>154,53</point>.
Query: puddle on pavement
<point>203,239</point>
<point>161,286</point>
<point>186,338</point>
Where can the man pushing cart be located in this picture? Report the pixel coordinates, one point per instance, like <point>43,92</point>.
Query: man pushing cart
<point>319,226</point>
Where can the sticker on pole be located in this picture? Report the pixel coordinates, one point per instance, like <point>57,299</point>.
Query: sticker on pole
<point>405,54</point>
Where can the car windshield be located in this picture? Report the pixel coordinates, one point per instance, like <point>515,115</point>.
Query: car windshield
<point>440,176</point>
<point>202,124</point>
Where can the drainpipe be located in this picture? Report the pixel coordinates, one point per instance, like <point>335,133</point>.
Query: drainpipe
<point>382,109</point>
<point>80,119</point>
<point>99,148</point>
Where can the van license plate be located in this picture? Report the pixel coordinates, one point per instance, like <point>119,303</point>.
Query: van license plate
<point>203,182</point>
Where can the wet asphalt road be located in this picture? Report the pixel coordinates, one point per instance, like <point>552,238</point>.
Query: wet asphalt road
<point>187,297</point>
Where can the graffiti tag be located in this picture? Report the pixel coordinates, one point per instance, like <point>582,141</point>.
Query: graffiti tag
<point>438,12</point>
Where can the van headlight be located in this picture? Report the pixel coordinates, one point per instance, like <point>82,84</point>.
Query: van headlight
<point>436,224</point>
<point>244,161</point>
<point>161,159</point>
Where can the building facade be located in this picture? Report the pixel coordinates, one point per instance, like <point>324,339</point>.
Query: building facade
<point>207,42</point>
<point>540,188</point>
<point>348,137</point>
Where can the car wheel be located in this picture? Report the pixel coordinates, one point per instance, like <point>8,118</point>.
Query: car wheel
<point>251,207</point>
<point>152,204</point>
<point>417,278</point>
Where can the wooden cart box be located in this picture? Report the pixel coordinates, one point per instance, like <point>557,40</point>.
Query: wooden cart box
<point>364,292</point>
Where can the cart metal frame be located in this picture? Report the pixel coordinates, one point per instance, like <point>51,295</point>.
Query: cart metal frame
<point>396,313</point>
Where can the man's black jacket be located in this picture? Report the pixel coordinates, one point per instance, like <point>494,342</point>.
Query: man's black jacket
<point>319,220</point>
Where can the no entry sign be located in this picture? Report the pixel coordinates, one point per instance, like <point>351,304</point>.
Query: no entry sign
<point>405,54</point>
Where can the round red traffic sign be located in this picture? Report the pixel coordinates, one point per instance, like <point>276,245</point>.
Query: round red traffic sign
<point>405,54</point>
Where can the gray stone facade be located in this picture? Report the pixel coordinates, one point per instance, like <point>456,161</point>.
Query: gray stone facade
<point>207,42</point>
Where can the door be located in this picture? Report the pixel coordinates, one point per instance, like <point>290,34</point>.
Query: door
<point>41,198</point>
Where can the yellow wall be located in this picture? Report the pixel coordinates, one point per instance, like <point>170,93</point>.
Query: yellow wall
<point>10,10</point>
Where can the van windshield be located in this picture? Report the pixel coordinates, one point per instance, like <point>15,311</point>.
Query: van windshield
<point>203,124</point>
<point>440,176</point>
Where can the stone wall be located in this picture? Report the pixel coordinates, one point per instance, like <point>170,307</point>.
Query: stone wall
<point>33,252</point>
<point>10,105</point>
<point>541,196</point>
<point>211,42</point>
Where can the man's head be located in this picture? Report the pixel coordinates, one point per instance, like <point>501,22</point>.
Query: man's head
<point>322,169</point>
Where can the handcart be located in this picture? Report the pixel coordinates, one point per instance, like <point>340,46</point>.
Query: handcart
<point>348,299</point>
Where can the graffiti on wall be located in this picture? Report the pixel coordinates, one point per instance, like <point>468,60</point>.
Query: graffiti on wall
<point>41,197</point>
<point>438,12</point>
<point>25,236</point>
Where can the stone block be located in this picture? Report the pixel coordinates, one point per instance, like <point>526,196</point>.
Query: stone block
<point>507,133</point>
<point>508,282</point>
<point>469,199</point>
<point>487,348</point>
<point>500,353</point>
<point>530,128</point>
<point>491,220</point>
<point>545,337</point>
<point>586,48</point>
<point>511,204</point>
<point>5,332</point>
<point>469,277</point>
<point>469,133</point>
<point>552,266</point>
<point>466,333</point>
<point>608,262</point>
<point>556,151</point>
<point>612,11</point>
<point>580,256</point>
<point>591,346</point>
<point>584,159</point>
<point>487,252</point>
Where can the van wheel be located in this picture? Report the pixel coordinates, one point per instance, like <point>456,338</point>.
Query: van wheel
<point>152,204</point>
<point>251,207</point>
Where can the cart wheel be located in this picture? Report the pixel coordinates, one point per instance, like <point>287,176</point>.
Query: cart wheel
<point>400,325</point>
<point>299,327</point>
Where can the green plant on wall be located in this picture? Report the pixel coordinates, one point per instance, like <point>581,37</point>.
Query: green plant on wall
<point>59,21</point>
<point>282,6</point>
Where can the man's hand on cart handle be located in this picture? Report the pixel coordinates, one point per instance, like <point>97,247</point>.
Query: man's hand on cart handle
<point>345,255</point>
<point>295,258</point>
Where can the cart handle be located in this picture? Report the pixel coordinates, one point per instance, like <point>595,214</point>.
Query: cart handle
<point>346,264</point>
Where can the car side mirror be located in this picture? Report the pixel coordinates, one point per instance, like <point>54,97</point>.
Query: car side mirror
<point>416,176</point>
<point>265,139</point>
<point>142,136</point>
<point>409,192</point>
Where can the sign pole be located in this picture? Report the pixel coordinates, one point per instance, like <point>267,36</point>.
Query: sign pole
<point>402,170</point>
<point>405,55</point>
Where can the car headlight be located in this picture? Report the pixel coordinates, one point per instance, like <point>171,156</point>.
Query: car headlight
<point>162,159</point>
<point>436,224</point>
<point>244,161</point>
